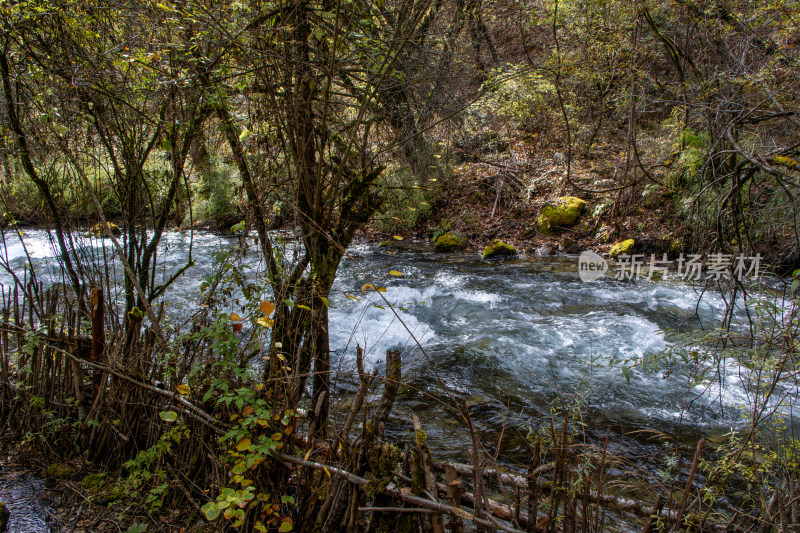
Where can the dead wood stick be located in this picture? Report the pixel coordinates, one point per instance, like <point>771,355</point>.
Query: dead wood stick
<point>509,479</point>
<point>395,493</point>
<point>196,412</point>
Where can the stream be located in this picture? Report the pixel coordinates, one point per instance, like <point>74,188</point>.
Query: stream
<point>510,338</point>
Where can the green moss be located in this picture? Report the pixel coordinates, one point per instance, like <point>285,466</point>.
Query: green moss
<point>93,481</point>
<point>59,470</point>
<point>421,438</point>
<point>451,241</point>
<point>783,161</point>
<point>624,247</point>
<point>563,213</point>
<point>498,248</point>
<point>135,314</point>
<point>108,494</point>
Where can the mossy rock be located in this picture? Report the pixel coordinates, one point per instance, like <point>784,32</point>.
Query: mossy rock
<point>564,212</point>
<point>59,470</point>
<point>93,481</point>
<point>102,491</point>
<point>784,161</point>
<point>624,247</point>
<point>108,494</point>
<point>452,241</point>
<point>498,248</point>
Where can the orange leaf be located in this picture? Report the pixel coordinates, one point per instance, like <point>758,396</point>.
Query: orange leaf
<point>237,328</point>
<point>266,307</point>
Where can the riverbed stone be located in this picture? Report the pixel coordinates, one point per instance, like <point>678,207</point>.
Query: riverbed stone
<point>452,241</point>
<point>563,212</point>
<point>546,251</point>
<point>622,247</point>
<point>498,248</point>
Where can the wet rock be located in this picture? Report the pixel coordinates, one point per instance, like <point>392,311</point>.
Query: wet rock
<point>498,248</point>
<point>623,247</point>
<point>452,241</point>
<point>569,246</point>
<point>546,251</point>
<point>564,212</point>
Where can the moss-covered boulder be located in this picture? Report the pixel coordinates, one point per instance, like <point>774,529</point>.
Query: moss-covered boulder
<point>623,247</point>
<point>93,481</point>
<point>498,248</point>
<point>59,470</point>
<point>784,161</point>
<point>564,212</point>
<point>101,489</point>
<point>452,241</point>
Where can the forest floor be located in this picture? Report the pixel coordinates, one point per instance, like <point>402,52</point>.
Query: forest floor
<point>500,196</point>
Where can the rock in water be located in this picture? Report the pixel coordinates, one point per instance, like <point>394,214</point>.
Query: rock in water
<point>564,212</point>
<point>452,241</point>
<point>546,251</point>
<point>498,248</point>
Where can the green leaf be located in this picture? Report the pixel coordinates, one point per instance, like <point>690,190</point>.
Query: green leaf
<point>287,499</point>
<point>324,301</point>
<point>210,510</point>
<point>627,373</point>
<point>238,227</point>
<point>168,416</point>
<point>285,526</point>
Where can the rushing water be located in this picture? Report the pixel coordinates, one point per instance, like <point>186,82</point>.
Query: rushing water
<point>27,501</point>
<point>508,337</point>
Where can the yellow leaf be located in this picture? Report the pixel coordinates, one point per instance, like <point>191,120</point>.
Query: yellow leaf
<point>381,289</point>
<point>277,436</point>
<point>243,445</point>
<point>263,422</point>
<point>235,318</point>
<point>326,471</point>
<point>265,322</point>
<point>398,238</point>
<point>266,307</point>
<point>183,389</point>
<point>367,286</point>
<point>353,297</point>
<point>395,273</point>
